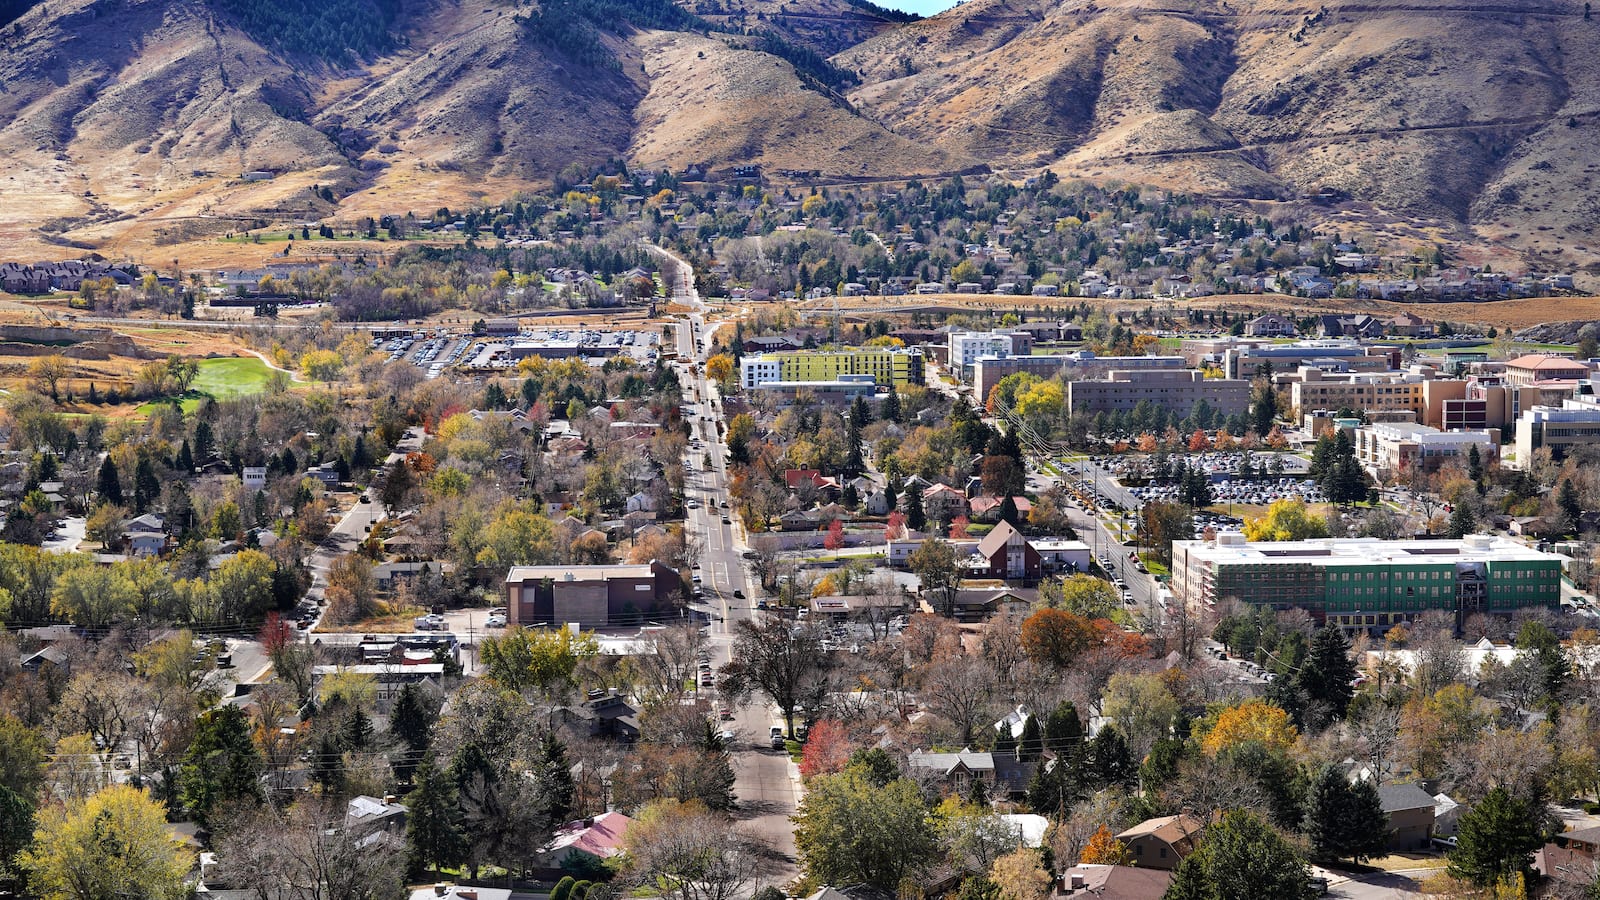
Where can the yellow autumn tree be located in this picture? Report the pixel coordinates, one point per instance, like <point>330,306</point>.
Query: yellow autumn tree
<point>1019,875</point>
<point>1253,720</point>
<point>719,368</point>
<point>1104,849</point>
<point>112,844</point>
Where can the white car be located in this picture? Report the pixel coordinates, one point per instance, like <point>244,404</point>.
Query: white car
<point>495,621</point>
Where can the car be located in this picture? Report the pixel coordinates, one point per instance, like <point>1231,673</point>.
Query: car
<point>762,604</point>
<point>738,594</point>
<point>726,736</point>
<point>495,621</point>
<point>776,741</point>
<point>726,520</point>
<point>693,504</point>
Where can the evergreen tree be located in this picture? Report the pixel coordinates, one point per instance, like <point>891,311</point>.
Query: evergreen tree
<point>1462,521</point>
<point>222,766</point>
<point>1054,790</point>
<point>1328,673</point>
<point>553,773</point>
<point>1031,744</point>
<point>1571,507</point>
<point>204,444</point>
<point>146,485</point>
<point>1496,838</point>
<point>891,406</point>
<point>1009,513</point>
<point>1344,820</point>
<point>357,729</point>
<point>110,486</point>
<point>915,517</point>
<point>411,720</point>
<point>185,461</point>
<point>327,763</point>
<point>1475,465</point>
<point>432,833</point>
<point>1241,858</point>
<point>1110,759</point>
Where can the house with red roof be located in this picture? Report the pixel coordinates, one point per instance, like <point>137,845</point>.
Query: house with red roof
<point>598,838</point>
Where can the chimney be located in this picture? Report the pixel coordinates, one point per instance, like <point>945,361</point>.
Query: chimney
<point>441,888</point>
<point>589,822</point>
<point>388,799</point>
<point>1075,882</point>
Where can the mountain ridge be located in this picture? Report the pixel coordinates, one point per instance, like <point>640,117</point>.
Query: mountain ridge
<point>128,122</point>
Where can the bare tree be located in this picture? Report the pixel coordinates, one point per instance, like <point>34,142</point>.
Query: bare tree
<point>685,852</point>
<point>309,854</point>
<point>959,690</point>
<point>785,663</point>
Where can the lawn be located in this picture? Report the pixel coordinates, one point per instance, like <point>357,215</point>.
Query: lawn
<point>222,378</point>
<point>228,377</point>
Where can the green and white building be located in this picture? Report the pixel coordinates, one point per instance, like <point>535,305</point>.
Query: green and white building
<point>1367,583</point>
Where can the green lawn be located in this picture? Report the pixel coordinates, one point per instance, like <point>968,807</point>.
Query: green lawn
<point>224,378</point>
<point>230,377</point>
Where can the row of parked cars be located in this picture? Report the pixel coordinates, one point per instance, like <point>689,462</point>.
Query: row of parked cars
<point>1251,491</point>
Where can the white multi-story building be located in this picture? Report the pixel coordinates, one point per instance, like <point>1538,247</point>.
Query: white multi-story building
<point>967,347</point>
<point>1398,447</point>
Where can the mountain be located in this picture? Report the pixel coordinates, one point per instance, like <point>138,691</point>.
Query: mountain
<point>129,125</point>
<point>1449,115</point>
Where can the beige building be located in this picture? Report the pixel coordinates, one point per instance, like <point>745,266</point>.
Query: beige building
<point>1175,391</point>
<point>1395,448</point>
<point>1536,367</point>
<point>1317,389</point>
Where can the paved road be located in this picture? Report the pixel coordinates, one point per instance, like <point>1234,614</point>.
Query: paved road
<point>765,781</point>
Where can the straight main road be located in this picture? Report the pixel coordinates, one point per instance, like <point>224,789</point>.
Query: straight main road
<point>766,782</point>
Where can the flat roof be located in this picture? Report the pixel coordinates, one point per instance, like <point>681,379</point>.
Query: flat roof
<point>519,574</point>
<point>1365,551</point>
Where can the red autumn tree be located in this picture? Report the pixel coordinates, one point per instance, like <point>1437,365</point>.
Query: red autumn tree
<point>958,528</point>
<point>827,749</point>
<point>835,538</point>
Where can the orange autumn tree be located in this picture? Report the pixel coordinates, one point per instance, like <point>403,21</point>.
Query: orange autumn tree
<point>1104,849</point>
<point>827,749</point>
<point>1253,720</point>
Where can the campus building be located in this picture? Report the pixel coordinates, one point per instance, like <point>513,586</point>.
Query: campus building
<point>967,347</point>
<point>1371,392</point>
<point>1175,391</point>
<point>887,365</point>
<point>987,371</point>
<point>1397,448</point>
<point>1367,583</point>
<point>1243,361</point>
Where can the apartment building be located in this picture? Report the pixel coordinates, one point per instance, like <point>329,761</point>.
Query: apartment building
<point>1175,391</point>
<point>967,347</point>
<point>1395,448</point>
<point>887,365</point>
<point>1367,583</point>
<point>987,371</point>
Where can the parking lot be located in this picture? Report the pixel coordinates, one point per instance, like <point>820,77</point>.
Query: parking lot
<point>1250,492</point>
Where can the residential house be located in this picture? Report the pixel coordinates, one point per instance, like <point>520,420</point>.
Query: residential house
<point>1112,882</point>
<point>254,477</point>
<point>943,503</point>
<point>988,508</point>
<point>1163,842</point>
<point>582,844</point>
<point>1412,325</point>
<point>1270,325</point>
<point>1410,812</point>
<point>1357,326</point>
<point>374,819</point>
<point>1002,773</point>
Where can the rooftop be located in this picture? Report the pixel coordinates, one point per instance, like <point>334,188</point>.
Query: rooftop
<point>1231,547</point>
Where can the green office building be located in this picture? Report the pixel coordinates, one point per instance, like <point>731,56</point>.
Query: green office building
<point>1365,583</point>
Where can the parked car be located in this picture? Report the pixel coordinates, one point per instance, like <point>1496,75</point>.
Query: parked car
<point>777,738</point>
<point>495,621</point>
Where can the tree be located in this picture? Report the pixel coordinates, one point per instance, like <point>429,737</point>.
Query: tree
<point>222,766</point>
<point>243,586</point>
<point>1142,707</point>
<point>1020,875</point>
<point>1344,820</point>
<point>1239,858</point>
<point>1462,521</point>
<point>47,373</point>
<point>535,660</point>
<point>783,663</point>
<point>1083,595</point>
<point>1104,849</point>
<point>1109,761</point>
<point>110,486</point>
<point>827,749</point>
<point>916,518</point>
<point>1328,674</point>
<point>93,596</point>
<point>850,830</point>
<point>432,832</point>
<point>939,571</point>
<point>1286,520</point>
<point>835,537</point>
<point>1056,637</point>
<point>1263,406</point>
<point>113,844</point>
<point>1496,838</point>
<point>683,851</point>
<point>1570,506</point>
<point>1252,720</point>
<point>720,368</point>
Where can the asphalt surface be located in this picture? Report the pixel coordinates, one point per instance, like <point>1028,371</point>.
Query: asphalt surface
<point>766,782</point>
